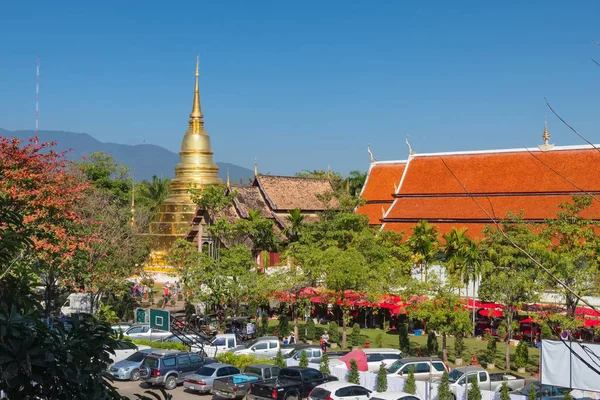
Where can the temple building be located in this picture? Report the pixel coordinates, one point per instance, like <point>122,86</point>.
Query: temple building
<point>196,168</point>
<point>441,187</point>
<point>273,197</point>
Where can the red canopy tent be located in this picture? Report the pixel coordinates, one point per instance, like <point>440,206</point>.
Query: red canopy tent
<point>359,356</point>
<point>587,311</point>
<point>591,322</point>
<point>490,313</point>
<point>526,320</point>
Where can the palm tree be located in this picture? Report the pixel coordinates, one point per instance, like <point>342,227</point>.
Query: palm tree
<point>155,191</point>
<point>454,250</point>
<point>296,221</point>
<point>261,233</point>
<point>473,259</point>
<point>424,243</point>
<point>357,180</point>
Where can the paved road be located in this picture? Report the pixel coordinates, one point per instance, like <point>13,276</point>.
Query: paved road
<point>129,388</point>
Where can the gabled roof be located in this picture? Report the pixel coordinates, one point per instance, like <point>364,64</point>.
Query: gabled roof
<point>501,181</point>
<point>249,198</point>
<point>383,179</point>
<point>291,192</point>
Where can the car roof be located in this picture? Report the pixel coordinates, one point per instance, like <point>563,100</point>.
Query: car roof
<point>392,395</point>
<point>375,351</point>
<point>334,385</point>
<point>421,359</point>
<point>262,365</point>
<point>217,365</point>
<point>469,368</point>
<point>163,352</point>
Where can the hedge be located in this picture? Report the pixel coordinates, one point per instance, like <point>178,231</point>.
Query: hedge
<point>160,345</point>
<point>241,361</point>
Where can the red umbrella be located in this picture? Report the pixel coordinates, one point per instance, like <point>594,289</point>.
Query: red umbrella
<point>591,322</point>
<point>526,320</point>
<point>490,313</point>
<point>587,311</point>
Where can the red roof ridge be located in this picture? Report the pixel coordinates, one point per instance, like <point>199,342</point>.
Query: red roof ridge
<point>293,177</point>
<point>502,151</point>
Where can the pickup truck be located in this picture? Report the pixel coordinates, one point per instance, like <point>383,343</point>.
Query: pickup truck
<point>492,382</point>
<point>236,386</point>
<point>293,383</point>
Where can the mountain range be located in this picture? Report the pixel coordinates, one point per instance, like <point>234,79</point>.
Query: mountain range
<point>144,160</point>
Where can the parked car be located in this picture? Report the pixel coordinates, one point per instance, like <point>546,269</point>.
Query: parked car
<point>125,349</point>
<point>339,391</point>
<point>377,356</point>
<point>394,396</point>
<point>121,327</point>
<point>544,392</point>
<point>145,332</point>
<point>202,379</point>
<point>169,367</point>
<point>221,343</point>
<point>129,368</point>
<point>492,382</point>
<point>265,347</point>
<point>235,387</point>
<point>425,368</point>
<point>314,353</point>
<point>293,383</point>
<point>77,303</point>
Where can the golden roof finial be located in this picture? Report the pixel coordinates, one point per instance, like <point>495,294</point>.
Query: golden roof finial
<point>370,153</point>
<point>228,180</point>
<point>196,110</point>
<point>410,150</point>
<point>132,220</point>
<point>546,138</point>
<point>255,167</point>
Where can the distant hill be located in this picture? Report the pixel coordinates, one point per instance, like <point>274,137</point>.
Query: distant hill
<point>145,160</point>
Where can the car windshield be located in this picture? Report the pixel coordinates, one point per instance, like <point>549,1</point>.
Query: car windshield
<point>251,343</point>
<point>137,356</point>
<point>205,371</point>
<point>395,367</point>
<point>455,375</point>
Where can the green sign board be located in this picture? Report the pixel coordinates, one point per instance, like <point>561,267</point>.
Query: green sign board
<point>160,319</point>
<point>141,316</point>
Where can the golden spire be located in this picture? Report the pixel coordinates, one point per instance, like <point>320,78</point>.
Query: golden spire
<point>228,180</point>
<point>132,221</point>
<point>255,168</point>
<point>546,138</point>
<point>196,110</point>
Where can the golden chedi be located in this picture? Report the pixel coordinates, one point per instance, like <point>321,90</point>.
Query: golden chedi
<point>196,168</point>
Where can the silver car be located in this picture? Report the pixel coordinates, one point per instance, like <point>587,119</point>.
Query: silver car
<point>202,380</point>
<point>129,368</point>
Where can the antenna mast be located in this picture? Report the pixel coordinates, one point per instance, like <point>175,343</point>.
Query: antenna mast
<point>37,96</point>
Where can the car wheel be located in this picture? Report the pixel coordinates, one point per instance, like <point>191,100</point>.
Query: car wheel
<point>171,383</point>
<point>452,396</point>
<point>135,375</point>
<point>292,397</point>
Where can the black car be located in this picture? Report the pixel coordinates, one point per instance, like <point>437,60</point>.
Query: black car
<point>293,383</point>
<point>168,368</point>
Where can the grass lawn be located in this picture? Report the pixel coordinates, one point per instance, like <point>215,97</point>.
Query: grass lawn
<point>471,346</point>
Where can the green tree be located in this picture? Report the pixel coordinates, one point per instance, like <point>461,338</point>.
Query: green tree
<point>403,339</point>
<point>532,395</point>
<point>453,251</point>
<point>353,375</point>
<point>504,391</point>
<point>324,365</point>
<point>303,359</point>
<point>432,343</point>
<point>284,325</point>
<point>573,251</point>
<point>379,340</point>
<point>474,392</point>
<point>568,396</point>
<point>108,175</point>
<point>310,329</point>
<point>522,355</point>
<point>410,386</point>
<point>424,243</point>
<point>474,261</point>
<point>355,334</point>
<point>334,332</point>
<point>511,278</point>
<point>279,360</point>
<point>382,384</point>
<point>444,392</point>
<point>356,181</point>
<point>293,230</point>
<point>459,344</point>
<point>491,349</point>
<point>153,192</point>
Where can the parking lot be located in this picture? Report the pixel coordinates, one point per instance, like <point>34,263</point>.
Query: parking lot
<point>129,389</point>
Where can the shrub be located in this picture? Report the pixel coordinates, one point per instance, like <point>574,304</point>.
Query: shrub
<point>355,334</point>
<point>160,345</point>
<point>334,332</point>
<point>459,344</point>
<point>474,393</point>
<point>179,296</point>
<point>279,360</point>
<point>532,395</point>
<point>303,359</point>
<point>379,340</point>
<point>241,361</point>
<point>324,366</point>
<point>432,343</point>
<point>410,386</point>
<point>491,350</point>
<point>353,375</point>
<point>566,396</point>
<point>284,326</point>
<point>265,323</point>
<point>404,342</point>
<point>444,388</point>
<point>310,329</point>
<point>382,378</point>
<point>172,302</point>
<point>546,331</point>
<point>504,392</point>
<point>522,355</point>
<point>160,303</point>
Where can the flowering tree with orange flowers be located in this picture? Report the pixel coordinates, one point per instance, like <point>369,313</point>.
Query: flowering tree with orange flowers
<point>45,190</point>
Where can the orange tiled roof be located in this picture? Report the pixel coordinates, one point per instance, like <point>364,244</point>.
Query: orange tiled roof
<point>534,182</point>
<point>375,211</point>
<point>291,192</point>
<point>379,189</point>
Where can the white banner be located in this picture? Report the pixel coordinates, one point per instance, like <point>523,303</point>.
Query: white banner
<point>571,364</point>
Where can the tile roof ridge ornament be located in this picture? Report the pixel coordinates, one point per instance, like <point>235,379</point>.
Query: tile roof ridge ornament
<point>255,167</point>
<point>410,150</point>
<point>373,159</point>
<point>546,138</point>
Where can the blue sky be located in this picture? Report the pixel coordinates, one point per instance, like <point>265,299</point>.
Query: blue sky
<point>300,85</point>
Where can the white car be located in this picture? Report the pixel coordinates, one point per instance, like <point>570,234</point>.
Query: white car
<point>394,396</point>
<point>377,356</point>
<point>124,350</point>
<point>338,390</point>
<point>145,332</point>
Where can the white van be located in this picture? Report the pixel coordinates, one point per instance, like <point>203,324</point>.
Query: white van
<point>77,303</point>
